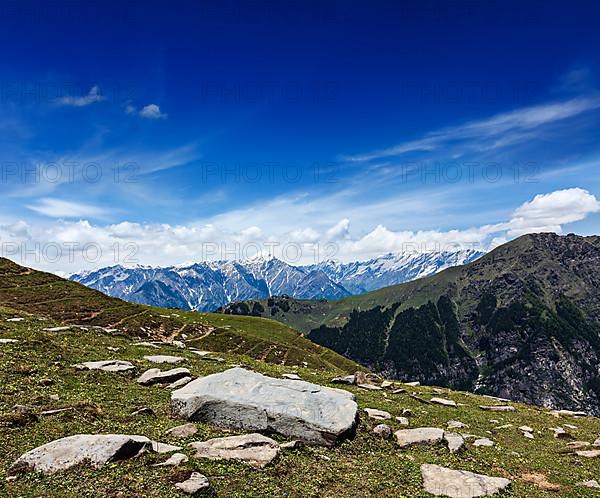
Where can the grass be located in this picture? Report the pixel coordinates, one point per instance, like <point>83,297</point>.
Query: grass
<point>39,366</point>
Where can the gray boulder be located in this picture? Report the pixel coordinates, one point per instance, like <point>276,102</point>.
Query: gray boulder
<point>244,400</point>
<point>421,435</point>
<point>441,481</point>
<point>254,449</point>
<point>157,376</point>
<point>95,450</point>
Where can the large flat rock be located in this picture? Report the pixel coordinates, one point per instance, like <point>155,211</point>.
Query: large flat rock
<point>441,481</point>
<point>106,366</point>
<point>244,400</point>
<point>95,450</point>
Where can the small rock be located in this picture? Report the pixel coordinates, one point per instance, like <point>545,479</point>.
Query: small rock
<point>144,411</point>
<point>348,379</point>
<point>54,397</point>
<point>382,430</point>
<point>454,441</point>
<point>164,448</point>
<point>156,376</point>
<point>494,421</point>
<point>8,341</point>
<point>443,402</point>
<point>589,484</point>
<point>402,420</point>
<point>113,349</point>
<point>588,453</point>
<point>18,319</point>
<point>454,424</point>
<point>213,359</point>
<point>56,329</point>
<point>195,483</point>
<point>164,359</point>
<point>377,414</point>
<point>386,384</point>
<point>106,366</point>
<point>254,449</point>
<point>528,435</point>
<point>505,426</point>
<point>441,481</point>
<point>483,442</point>
<point>146,345</point>
<point>180,383</point>
<point>435,390</point>
<point>399,391</point>
<point>568,413</point>
<point>560,433</point>
<point>596,442</point>
<point>178,344</point>
<point>292,376</point>
<point>407,413</point>
<point>413,384</point>
<point>370,387</point>
<point>498,408</point>
<point>48,413</point>
<point>578,444</point>
<point>174,460</point>
<point>422,435</point>
<point>291,445</point>
<point>184,430</point>
<point>525,428</point>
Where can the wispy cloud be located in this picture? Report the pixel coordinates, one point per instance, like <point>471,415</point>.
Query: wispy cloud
<point>58,208</point>
<point>495,132</point>
<point>93,96</point>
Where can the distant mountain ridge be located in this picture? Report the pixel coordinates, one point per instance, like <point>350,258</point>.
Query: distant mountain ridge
<point>207,286</point>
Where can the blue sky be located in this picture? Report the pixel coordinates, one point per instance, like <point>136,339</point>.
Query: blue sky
<point>367,126</point>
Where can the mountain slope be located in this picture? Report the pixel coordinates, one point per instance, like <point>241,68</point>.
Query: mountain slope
<point>521,322</point>
<point>53,298</point>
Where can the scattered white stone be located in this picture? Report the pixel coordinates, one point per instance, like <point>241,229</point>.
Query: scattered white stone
<point>178,344</point>
<point>106,366</point>
<point>195,483</point>
<point>402,420</point>
<point>254,449</point>
<point>291,445</point>
<point>164,359</point>
<point>382,430</point>
<point>180,383</point>
<point>242,399</point>
<point>528,435</point>
<point>569,426</point>
<point>156,376</point>
<point>173,461</point>
<point>292,376</point>
<point>454,441</point>
<point>596,442</point>
<point>525,428</point>
<point>578,444</point>
<point>414,384</point>
<point>200,353</point>
<point>184,430</point>
<point>589,484</point>
<point>498,408</point>
<point>454,424</point>
<point>213,359</point>
<point>164,447</point>
<point>483,442</point>
<point>348,379</point>
<point>560,433</point>
<point>113,349</point>
<point>588,453</point>
<point>407,412</point>
<point>8,341</point>
<point>505,426</point>
<point>146,345</point>
<point>568,413</point>
<point>441,481</point>
<point>421,435</point>
<point>56,329</point>
<point>443,402</point>
<point>370,387</point>
<point>494,421</point>
<point>18,319</point>
<point>95,450</point>
<point>377,414</point>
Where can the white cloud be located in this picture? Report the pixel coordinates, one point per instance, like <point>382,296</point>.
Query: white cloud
<point>164,244</point>
<point>58,208</point>
<point>93,96</point>
<point>152,111</point>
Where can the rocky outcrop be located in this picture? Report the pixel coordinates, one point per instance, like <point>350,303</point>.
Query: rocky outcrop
<point>441,481</point>
<point>95,450</point>
<point>245,400</point>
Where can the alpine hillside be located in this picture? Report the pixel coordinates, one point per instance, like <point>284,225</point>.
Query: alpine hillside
<point>521,322</point>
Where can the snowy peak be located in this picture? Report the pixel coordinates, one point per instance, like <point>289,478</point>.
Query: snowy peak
<point>207,286</point>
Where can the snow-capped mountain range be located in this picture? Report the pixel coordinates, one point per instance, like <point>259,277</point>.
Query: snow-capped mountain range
<point>207,286</point>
